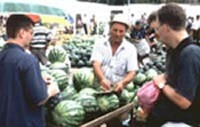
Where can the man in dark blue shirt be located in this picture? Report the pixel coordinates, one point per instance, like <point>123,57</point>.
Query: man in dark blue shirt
<point>22,88</point>
<point>180,85</point>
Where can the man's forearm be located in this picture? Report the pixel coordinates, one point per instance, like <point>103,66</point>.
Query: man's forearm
<point>128,78</point>
<point>98,71</point>
<point>175,97</point>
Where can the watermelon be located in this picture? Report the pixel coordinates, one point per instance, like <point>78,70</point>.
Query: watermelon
<point>61,77</point>
<point>87,91</point>
<point>150,74</point>
<point>83,78</point>
<point>89,103</point>
<point>139,79</point>
<point>69,93</point>
<point>68,113</point>
<point>107,102</point>
<point>57,54</point>
<point>130,87</point>
<point>59,65</point>
<point>126,97</point>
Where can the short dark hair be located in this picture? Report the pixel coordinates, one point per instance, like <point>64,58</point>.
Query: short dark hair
<point>152,17</point>
<point>173,15</point>
<point>16,22</point>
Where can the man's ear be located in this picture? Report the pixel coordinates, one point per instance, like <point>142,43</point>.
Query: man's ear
<point>167,27</point>
<point>21,33</point>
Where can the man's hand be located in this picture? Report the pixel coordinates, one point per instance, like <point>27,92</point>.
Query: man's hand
<point>160,79</point>
<point>119,86</point>
<point>52,89</point>
<point>47,79</point>
<point>105,84</point>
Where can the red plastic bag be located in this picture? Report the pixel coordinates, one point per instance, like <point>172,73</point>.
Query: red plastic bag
<point>148,95</point>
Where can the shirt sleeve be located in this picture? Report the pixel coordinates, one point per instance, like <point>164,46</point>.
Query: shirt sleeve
<point>188,78</point>
<point>35,87</point>
<point>97,52</point>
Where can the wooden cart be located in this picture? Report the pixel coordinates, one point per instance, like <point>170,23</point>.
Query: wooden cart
<point>128,108</point>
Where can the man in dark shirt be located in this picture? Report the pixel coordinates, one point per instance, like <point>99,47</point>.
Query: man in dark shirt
<point>22,88</point>
<point>138,31</point>
<point>179,100</point>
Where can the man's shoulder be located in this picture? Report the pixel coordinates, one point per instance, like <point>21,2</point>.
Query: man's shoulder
<point>192,49</point>
<point>27,59</point>
<point>129,45</point>
<point>101,41</point>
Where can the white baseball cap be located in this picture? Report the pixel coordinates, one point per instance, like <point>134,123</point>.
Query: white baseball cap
<point>120,18</point>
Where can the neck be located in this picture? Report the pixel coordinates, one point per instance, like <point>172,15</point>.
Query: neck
<point>15,41</point>
<point>178,37</point>
<point>114,43</point>
<point>114,46</point>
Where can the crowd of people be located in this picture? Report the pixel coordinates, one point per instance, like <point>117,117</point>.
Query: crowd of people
<point>85,25</point>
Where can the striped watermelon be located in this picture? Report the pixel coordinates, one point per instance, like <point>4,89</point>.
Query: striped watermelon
<point>139,79</point>
<point>68,113</point>
<point>83,78</point>
<point>107,102</point>
<point>69,93</point>
<point>87,91</point>
<point>59,65</point>
<point>61,77</point>
<point>57,54</point>
<point>126,97</point>
<point>89,103</point>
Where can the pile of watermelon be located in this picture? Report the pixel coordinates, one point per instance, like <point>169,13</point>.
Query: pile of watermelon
<point>79,50</point>
<point>78,103</point>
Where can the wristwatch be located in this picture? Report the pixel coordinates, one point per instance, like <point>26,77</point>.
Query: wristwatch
<point>161,85</point>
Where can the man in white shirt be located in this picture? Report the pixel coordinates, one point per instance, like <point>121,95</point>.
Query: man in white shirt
<point>114,60</point>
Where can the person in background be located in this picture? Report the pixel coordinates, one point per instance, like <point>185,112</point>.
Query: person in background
<point>93,25</point>
<point>132,20</point>
<point>79,24</point>
<point>85,24</point>
<point>40,42</point>
<point>189,23</point>
<point>178,104</point>
<point>114,60</point>
<point>22,88</point>
<point>151,36</point>
<point>196,29</point>
<point>138,37</point>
